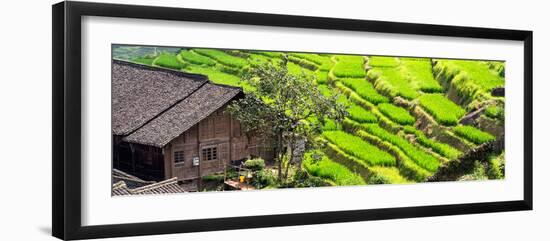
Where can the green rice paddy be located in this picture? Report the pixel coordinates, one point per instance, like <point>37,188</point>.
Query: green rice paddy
<point>382,139</point>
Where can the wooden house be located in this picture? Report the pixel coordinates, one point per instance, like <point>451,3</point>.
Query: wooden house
<point>168,124</point>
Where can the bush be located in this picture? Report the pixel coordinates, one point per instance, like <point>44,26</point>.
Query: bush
<point>442,109</point>
<point>495,112</point>
<point>357,147</point>
<point>213,178</point>
<point>255,164</point>
<point>396,114</point>
<point>495,170</point>
<point>263,178</point>
<point>473,134</point>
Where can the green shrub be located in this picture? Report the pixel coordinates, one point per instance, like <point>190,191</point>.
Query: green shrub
<point>223,58</point>
<point>383,61</point>
<point>438,147</point>
<point>496,112</point>
<point>473,134</point>
<point>324,167</point>
<point>495,170</point>
<point>198,59</point>
<point>442,109</point>
<point>423,159</point>
<point>170,61</point>
<point>264,178</point>
<point>396,114</point>
<point>255,164</point>
<point>365,89</point>
<point>213,178</point>
<point>355,146</point>
<point>349,66</point>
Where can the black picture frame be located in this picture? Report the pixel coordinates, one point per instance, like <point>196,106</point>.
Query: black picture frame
<point>66,127</point>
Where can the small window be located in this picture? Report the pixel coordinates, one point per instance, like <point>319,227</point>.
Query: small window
<point>179,157</point>
<point>210,153</point>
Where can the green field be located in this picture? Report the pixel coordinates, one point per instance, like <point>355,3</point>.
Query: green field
<point>404,115</point>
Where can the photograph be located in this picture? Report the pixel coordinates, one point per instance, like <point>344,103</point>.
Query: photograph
<point>190,119</point>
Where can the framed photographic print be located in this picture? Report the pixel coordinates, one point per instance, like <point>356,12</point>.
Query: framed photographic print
<point>169,120</point>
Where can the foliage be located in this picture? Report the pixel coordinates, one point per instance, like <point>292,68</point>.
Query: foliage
<point>396,114</point>
<point>281,107</point>
<point>213,178</point>
<point>495,169</point>
<point>264,178</point>
<point>473,134</point>
<point>168,61</point>
<point>442,109</point>
<point>256,164</point>
<point>478,173</point>
<point>423,159</point>
<point>318,164</point>
<point>349,66</point>
<point>357,147</point>
<point>223,57</point>
<point>496,112</point>
<point>365,89</point>
<point>192,57</point>
<point>438,147</point>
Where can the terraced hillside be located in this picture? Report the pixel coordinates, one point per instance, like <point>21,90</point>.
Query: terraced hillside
<point>410,119</point>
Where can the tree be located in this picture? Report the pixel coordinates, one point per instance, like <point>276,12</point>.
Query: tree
<point>285,109</point>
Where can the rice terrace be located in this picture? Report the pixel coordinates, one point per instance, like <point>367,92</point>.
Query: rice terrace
<point>197,119</point>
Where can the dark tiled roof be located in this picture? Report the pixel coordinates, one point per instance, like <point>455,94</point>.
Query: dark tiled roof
<point>124,187</point>
<point>139,93</point>
<point>183,115</point>
<point>161,111</point>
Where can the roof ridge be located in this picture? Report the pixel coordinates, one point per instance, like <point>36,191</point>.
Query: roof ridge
<point>159,68</point>
<point>173,180</point>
